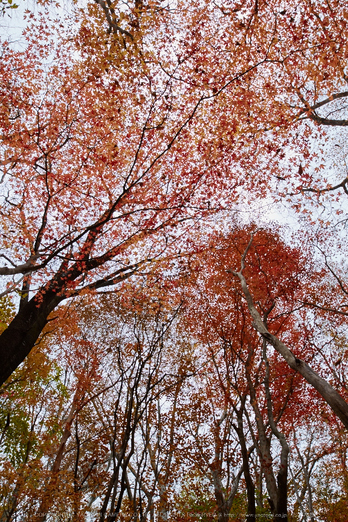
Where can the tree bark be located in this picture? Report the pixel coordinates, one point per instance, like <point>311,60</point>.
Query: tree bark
<point>329,394</point>
<point>246,469</point>
<point>21,335</point>
<point>281,508</point>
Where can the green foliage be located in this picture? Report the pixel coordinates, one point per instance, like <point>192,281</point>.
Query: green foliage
<point>30,407</point>
<point>239,508</point>
<point>332,503</point>
<point>264,513</point>
<point>22,409</point>
<point>196,500</point>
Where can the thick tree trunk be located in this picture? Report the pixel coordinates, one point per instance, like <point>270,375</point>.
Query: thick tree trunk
<point>281,507</point>
<point>246,469</point>
<point>21,335</point>
<point>282,495</point>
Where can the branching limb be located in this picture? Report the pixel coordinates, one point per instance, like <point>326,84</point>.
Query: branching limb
<point>110,17</point>
<point>329,394</point>
<point>310,110</point>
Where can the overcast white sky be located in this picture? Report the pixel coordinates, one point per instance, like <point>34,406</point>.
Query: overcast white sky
<point>13,23</point>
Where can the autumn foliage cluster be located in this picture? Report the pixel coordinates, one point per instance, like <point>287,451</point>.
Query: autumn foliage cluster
<point>173,299</point>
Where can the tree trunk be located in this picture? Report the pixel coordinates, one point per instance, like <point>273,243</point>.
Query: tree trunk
<point>246,469</point>
<point>22,333</point>
<point>282,493</point>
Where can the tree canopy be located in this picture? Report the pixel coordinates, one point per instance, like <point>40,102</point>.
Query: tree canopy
<point>173,260</point>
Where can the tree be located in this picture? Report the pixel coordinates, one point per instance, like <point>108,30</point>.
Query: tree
<point>76,435</point>
<point>330,395</point>
<point>121,138</point>
<point>83,198</point>
<point>30,405</point>
<point>219,315</point>
<point>107,154</point>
